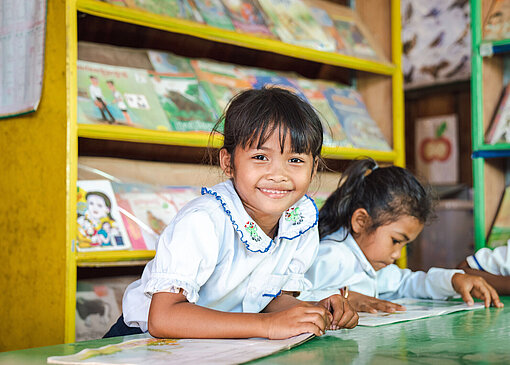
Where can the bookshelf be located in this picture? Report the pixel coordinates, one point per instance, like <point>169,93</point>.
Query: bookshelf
<point>39,151</point>
<point>488,160</point>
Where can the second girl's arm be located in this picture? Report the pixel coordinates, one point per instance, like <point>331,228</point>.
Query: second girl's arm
<point>172,316</point>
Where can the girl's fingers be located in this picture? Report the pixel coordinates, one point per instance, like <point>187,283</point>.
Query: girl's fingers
<point>314,319</point>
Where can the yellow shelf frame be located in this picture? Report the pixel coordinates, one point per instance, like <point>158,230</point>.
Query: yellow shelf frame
<point>113,257</point>
<point>204,31</point>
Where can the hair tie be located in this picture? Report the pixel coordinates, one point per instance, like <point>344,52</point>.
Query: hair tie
<point>375,167</point>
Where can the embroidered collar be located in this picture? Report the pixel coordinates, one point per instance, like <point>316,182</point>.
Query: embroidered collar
<point>294,222</point>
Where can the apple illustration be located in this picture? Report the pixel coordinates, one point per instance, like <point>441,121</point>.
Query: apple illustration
<point>438,148</point>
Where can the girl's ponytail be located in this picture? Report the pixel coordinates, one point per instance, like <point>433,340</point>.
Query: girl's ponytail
<point>341,204</point>
<point>386,193</point>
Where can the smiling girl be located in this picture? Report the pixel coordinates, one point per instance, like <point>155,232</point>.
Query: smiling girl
<point>230,263</point>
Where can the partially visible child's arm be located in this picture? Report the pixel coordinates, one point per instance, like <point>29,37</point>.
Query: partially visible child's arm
<point>172,316</point>
<point>499,282</point>
<point>469,286</point>
<point>365,303</point>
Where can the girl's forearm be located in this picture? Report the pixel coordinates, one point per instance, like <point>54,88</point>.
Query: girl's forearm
<point>285,301</point>
<point>187,320</point>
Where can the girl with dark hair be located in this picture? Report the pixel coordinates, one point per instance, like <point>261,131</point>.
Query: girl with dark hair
<point>363,225</point>
<point>244,246</point>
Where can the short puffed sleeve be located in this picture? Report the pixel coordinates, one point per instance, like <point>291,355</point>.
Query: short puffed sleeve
<point>187,254</point>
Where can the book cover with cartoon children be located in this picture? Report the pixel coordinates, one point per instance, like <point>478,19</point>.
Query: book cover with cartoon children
<point>213,12</point>
<point>100,226</point>
<point>293,22</point>
<point>118,96</point>
<point>147,209</point>
<point>357,123</point>
<point>247,17</point>
<point>186,105</point>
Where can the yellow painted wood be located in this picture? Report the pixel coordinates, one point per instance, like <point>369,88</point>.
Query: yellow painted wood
<point>114,256</point>
<point>33,211</point>
<point>204,31</point>
<point>72,169</point>
<point>346,153</point>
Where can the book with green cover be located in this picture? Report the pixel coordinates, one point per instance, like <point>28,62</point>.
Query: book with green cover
<point>184,102</point>
<point>214,13</point>
<point>183,9</point>
<point>247,17</point>
<point>166,62</point>
<point>118,96</point>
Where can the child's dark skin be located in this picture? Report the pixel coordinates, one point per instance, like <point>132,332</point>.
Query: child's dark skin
<point>499,282</point>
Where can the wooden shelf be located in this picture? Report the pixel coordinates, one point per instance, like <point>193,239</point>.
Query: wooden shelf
<point>203,31</point>
<point>113,258</point>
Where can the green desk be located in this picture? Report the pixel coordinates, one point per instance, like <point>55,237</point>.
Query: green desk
<point>469,337</point>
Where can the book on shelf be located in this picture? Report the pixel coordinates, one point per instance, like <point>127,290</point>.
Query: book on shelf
<point>214,13</point>
<point>99,224</point>
<point>499,233</point>
<point>322,17</point>
<point>182,9</point>
<point>334,134</point>
<point>293,22</point>
<point>220,82</point>
<point>186,105</point>
<point>437,150</point>
<point>247,17</point>
<point>496,25</point>
<point>361,129</point>
<point>258,82</point>
<point>117,95</point>
<point>147,209</point>
<point>499,129</point>
<point>166,62</point>
<point>98,305</point>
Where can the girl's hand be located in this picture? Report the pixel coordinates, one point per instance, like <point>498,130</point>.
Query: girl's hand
<point>365,303</point>
<point>344,315</point>
<point>303,318</point>
<point>469,286</point>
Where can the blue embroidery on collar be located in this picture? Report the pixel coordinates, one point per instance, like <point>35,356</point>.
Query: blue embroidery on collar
<point>229,214</point>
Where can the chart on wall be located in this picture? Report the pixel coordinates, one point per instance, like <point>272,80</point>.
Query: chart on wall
<point>22,33</point>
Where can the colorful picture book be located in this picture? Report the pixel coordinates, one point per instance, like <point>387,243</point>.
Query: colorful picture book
<point>437,150</point>
<point>496,25</point>
<point>499,129</point>
<point>147,209</point>
<point>118,96</point>
<point>183,9</point>
<point>334,134</point>
<point>294,23</point>
<point>166,62</point>
<point>214,13</point>
<point>499,233</point>
<point>184,102</point>
<point>322,17</point>
<point>99,224</point>
<point>247,17</point>
<point>355,42</point>
<point>155,351</point>
<point>361,129</point>
<point>415,309</point>
<point>278,81</point>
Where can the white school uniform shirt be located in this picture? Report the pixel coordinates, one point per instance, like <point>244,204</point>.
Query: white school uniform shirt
<point>95,92</point>
<point>120,100</point>
<point>340,262</point>
<point>495,261</point>
<point>220,257</point>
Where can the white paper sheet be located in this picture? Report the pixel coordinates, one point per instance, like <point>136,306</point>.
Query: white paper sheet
<point>22,31</point>
<point>155,351</point>
<point>416,309</point>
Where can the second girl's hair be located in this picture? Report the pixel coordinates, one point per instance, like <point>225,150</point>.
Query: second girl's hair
<point>386,193</point>
<point>253,115</point>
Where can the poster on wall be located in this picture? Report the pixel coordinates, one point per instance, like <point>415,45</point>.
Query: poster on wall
<point>22,34</point>
<point>436,149</point>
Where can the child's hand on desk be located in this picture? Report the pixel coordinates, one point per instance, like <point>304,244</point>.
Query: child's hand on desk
<point>344,315</point>
<point>303,318</point>
<point>469,286</point>
<point>365,303</point>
